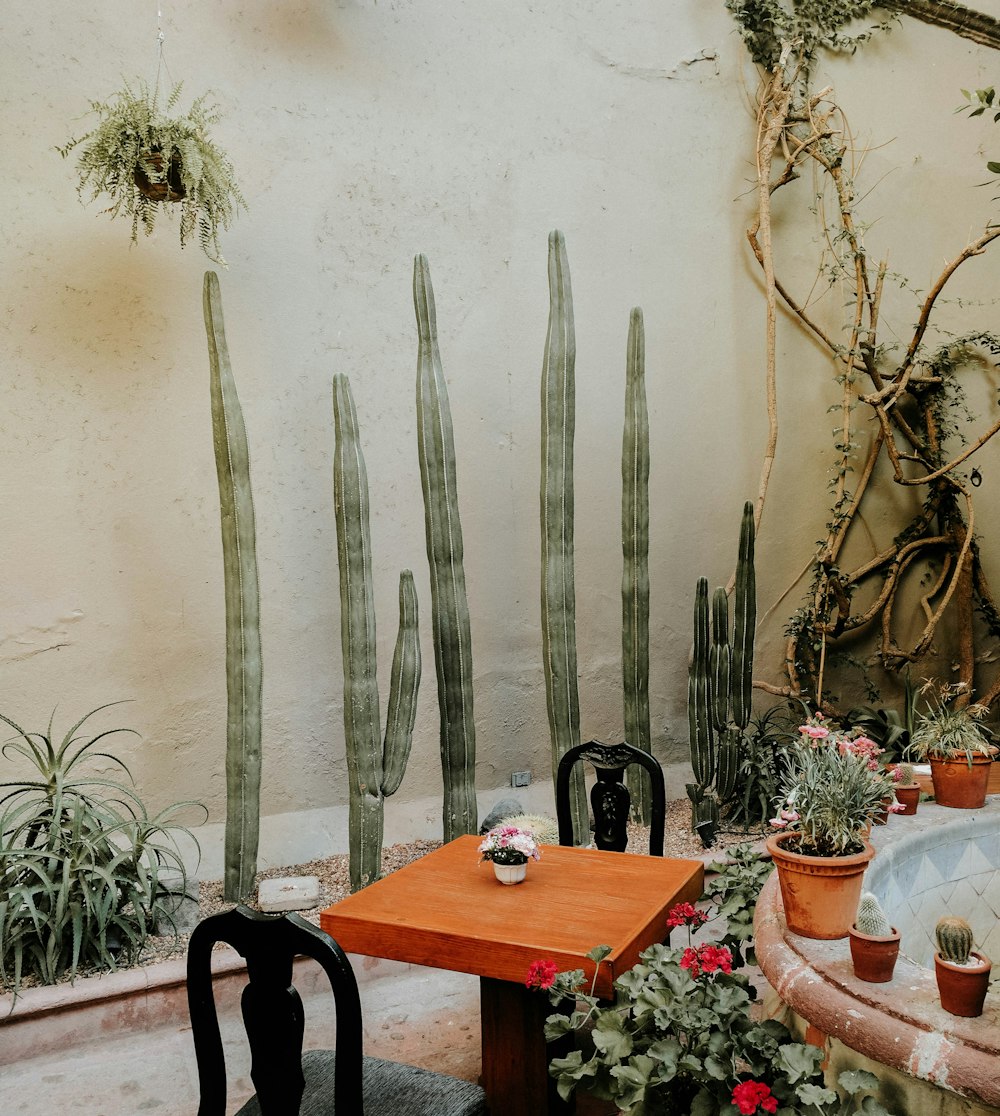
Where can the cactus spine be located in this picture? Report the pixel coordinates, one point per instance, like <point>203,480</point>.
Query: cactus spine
<point>871,918</point>
<point>954,939</point>
<point>635,566</point>
<point>720,687</point>
<point>243,649</point>
<point>558,587</point>
<point>449,604</point>
<point>375,765</point>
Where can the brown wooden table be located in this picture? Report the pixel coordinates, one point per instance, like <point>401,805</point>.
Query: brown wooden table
<point>447,911</point>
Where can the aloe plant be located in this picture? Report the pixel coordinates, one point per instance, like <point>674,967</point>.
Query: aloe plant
<point>720,687</point>
<point>375,764</point>
<point>243,644</point>
<point>635,565</point>
<point>558,585</point>
<point>449,603</point>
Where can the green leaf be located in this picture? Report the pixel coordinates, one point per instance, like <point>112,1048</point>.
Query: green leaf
<point>854,1081</point>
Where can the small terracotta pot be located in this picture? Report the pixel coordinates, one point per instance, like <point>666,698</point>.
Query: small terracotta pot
<point>962,989</point>
<point>874,957</point>
<point>820,893</point>
<point>958,785</point>
<point>908,798</point>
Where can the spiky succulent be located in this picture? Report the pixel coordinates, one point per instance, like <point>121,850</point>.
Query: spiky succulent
<point>871,918</point>
<point>954,939</point>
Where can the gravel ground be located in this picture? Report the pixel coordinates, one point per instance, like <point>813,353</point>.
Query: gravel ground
<point>332,873</point>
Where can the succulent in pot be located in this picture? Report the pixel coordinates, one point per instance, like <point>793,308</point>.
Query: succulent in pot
<point>874,942</point>
<point>951,736</point>
<point>962,974</point>
<point>144,157</point>
<point>908,790</point>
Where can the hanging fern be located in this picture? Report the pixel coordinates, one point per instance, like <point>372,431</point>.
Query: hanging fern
<point>144,158</point>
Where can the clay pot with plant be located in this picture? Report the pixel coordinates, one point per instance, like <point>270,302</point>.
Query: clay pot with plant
<point>951,737</point>
<point>963,975</point>
<point>833,789</point>
<point>144,157</point>
<point>874,942</point>
<point>907,788</point>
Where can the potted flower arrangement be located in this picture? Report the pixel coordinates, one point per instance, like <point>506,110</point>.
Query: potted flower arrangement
<point>510,849</point>
<point>681,1036</point>
<point>955,742</point>
<point>874,942</point>
<point>832,791</point>
<point>962,974</point>
<point>145,157</point>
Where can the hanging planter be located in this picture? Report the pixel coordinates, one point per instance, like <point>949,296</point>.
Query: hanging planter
<point>144,159</point>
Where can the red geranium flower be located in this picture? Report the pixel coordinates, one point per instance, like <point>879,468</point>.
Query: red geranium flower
<point>751,1095</point>
<point>541,974</point>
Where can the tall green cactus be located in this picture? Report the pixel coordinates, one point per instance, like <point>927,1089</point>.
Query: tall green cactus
<point>375,765</point>
<point>720,687</point>
<point>635,565</point>
<point>243,649</point>
<point>558,586</point>
<point>449,603</point>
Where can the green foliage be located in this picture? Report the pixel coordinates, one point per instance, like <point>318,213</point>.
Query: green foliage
<point>983,101</point>
<point>946,730</point>
<point>767,26</point>
<point>762,765</point>
<point>734,891</point>
<point>680,1038</point>
<point>81,860</point>
<point>135,138</point>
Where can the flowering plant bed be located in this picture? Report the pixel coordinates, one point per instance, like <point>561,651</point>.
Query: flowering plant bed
<point>680,1037</point>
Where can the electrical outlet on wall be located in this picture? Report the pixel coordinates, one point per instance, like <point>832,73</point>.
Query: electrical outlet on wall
<point>520,778</point>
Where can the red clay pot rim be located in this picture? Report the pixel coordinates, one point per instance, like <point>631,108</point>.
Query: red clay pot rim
<point>856,933</point>
<point>775,844</point>
<point>985,967</point>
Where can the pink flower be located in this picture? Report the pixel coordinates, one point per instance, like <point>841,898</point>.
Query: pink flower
<point>789,815</point>
<point>779,823</point>
<point>749,1095</point>
<point>815,732</point>
<point>541,974</point>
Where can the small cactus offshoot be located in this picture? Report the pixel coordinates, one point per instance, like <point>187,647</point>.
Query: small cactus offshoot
<point>954,939</point>
<point>871,918</point>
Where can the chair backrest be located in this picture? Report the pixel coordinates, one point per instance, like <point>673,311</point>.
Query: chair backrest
<point>272,1010</point>
<point>609,797</point>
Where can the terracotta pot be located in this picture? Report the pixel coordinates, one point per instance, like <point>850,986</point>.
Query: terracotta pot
<point>962,989</point>
<point>874,957</point>
<point>820,893</point>
<point>958,785</point>
<point>908,798</point>
<point>883,811</point>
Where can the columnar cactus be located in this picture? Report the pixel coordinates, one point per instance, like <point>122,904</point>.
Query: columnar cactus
<point>871,918</point>
<point>243,646</point>
<point>954,939</point>
<point>449,604</point>
<point>720,687</point>
<point>635,566</point>
<point>558,585</point>
<point>375,764</point>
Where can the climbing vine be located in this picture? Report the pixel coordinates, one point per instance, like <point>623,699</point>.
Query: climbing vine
<point>901,414</point>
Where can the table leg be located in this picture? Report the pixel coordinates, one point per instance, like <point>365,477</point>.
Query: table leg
<point>515,1055</point>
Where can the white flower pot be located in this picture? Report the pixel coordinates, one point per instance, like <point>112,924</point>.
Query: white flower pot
<point>510,873</point>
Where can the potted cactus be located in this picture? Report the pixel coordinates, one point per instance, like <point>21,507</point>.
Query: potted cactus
<point>955,742</point>
<point>874,942</point>
<point>907,788</point>
<point>963,975</point>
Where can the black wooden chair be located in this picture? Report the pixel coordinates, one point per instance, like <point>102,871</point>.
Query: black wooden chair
<point>288,1082</point>
<point>609,797</point>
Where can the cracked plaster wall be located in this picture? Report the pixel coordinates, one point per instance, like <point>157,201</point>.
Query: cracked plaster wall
<point>364,133</point>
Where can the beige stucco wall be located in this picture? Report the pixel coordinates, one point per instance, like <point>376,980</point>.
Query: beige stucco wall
<point>364,133</point>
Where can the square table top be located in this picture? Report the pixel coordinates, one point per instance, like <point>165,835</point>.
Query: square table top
<point>447,911</point>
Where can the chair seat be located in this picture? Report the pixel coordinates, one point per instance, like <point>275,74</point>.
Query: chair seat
<point>390,1089</point>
